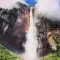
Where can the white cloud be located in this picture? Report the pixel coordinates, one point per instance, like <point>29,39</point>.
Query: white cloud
<point>8,3</point>
<point>50,8</point>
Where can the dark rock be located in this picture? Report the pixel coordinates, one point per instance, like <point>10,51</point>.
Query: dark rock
<point>15,35</point>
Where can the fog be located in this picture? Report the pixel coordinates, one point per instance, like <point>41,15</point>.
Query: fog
<point>49,8</point>
<point>9,3</point>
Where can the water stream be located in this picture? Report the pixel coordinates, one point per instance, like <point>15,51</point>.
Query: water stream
<point>31,43</point>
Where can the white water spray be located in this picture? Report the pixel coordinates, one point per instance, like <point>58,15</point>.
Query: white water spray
<point>31,44</point>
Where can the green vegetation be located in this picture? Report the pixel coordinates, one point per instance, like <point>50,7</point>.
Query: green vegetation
<point>7,55</point>
<point>54,55</point>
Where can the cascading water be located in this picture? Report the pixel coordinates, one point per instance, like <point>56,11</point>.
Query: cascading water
<point>31,43</point>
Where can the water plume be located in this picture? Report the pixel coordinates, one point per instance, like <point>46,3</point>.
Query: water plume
<point>31,43</point>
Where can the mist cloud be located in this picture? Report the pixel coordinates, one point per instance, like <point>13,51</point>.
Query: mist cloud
<point>9,3</point>
<point>50,8</point>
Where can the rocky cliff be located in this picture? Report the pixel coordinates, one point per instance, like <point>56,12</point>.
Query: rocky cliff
<point>13,27</point>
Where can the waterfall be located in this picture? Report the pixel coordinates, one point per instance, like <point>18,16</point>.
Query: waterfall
<point>31,43</point>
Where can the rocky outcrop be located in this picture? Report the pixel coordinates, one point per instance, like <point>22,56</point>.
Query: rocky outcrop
<point>43,44</point>
<point>44,26</point>
<point>13,24</point>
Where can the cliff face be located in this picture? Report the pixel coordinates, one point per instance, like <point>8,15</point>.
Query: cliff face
<point>13,27</point>
<point>43,44</point>
<point>44,27</point>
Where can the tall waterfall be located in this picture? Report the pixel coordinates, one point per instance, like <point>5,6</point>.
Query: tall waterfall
<point>31,44</point>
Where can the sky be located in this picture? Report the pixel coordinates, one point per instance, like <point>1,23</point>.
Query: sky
<point>51,7</point>
<point>31,2</point>
<point>8,3</point>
